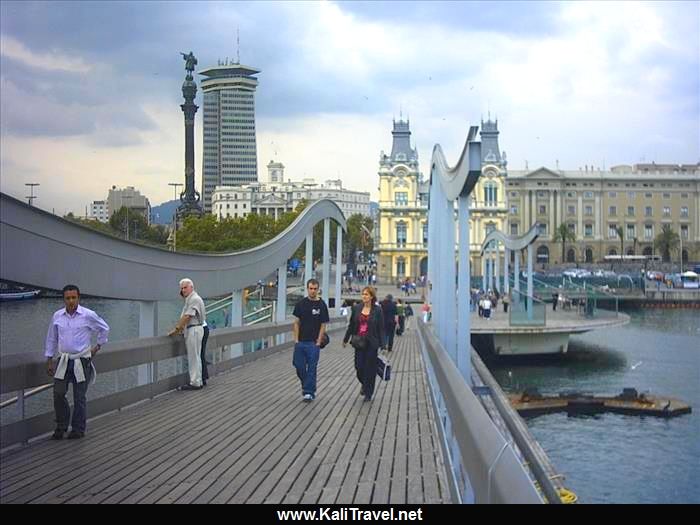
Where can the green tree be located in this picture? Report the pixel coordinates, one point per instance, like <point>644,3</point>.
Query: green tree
<point>666,241</point>
<point>137,223</point>
<point>563,234</point>
<point>358,237</point>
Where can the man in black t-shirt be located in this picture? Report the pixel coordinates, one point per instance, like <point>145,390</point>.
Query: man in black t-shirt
<point>309,328</point>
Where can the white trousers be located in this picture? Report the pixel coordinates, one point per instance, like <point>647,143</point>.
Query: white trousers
<point>193,343</point>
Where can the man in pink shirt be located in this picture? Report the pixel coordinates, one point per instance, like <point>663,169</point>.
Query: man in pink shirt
<point>69,339</point>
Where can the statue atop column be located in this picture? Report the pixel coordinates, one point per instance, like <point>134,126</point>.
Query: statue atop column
<point>190,62</point>
<point>190,197</point>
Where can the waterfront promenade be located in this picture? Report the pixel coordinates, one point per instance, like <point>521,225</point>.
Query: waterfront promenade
<point>248,438</point>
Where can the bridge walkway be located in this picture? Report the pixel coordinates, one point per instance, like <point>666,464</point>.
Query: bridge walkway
<point>248,438</point>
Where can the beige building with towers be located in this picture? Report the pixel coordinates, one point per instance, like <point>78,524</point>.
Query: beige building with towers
<point>402,250</point>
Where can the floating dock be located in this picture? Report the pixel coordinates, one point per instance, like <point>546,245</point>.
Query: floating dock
<point>532,403</point>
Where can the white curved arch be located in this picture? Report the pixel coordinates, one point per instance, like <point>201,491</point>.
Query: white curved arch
<point>41,249</point>
<point>462,178</point>
<point>512,243</point>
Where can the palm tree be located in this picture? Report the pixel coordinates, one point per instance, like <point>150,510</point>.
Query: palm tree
<point>621,234</point>
<point>564,234</point>
<point>666,241</point>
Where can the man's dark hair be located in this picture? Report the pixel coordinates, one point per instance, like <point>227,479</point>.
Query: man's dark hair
<point>71,287</point>
<point>312,281</point>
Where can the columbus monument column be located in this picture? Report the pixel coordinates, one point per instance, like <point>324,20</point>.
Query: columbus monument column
<point>189,198</point>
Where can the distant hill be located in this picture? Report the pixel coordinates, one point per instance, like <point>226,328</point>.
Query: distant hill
<point>163,213</point>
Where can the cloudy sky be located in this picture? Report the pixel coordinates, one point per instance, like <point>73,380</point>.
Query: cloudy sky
<point>90,92</point>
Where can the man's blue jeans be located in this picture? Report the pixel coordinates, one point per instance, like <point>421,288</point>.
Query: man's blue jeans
<point>60,403</point>
<point>305,361</point>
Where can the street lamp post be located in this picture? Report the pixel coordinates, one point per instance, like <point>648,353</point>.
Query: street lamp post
<point>30,198</point>
<point>175,185</point>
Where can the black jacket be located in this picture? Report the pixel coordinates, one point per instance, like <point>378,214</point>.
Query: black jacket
<point>375,335</point>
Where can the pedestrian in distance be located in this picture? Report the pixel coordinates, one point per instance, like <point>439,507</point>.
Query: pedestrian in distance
<point>365,334</point>
<point>401,314</point>
<point>487,308</point>
<point>311,315</point>
<point>69,337</point>
<point>205,338</point>
<point>390,314</point>
<point>190,325</point>
<point>506,302</point>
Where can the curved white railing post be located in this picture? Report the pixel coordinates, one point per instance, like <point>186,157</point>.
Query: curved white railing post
<point>451,309</point>
<point>309,263</point>
<point>338,271</point>
<point>326,280</point>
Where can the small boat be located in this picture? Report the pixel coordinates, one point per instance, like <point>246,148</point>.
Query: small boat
<point>18,295</point>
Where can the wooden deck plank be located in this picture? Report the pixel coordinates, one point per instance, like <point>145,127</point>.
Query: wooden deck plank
<point>248,438</point>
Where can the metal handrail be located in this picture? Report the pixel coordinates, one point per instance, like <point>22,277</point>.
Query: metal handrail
<point>517,428</point>
<point>25,395</point>
<point>255,312</point>
<point>479,441</point>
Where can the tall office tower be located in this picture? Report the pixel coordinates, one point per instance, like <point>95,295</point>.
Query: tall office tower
<point>229,151</point>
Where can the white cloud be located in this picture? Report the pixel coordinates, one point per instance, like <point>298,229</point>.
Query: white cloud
<point>602,87</point>
<point>53,60</point>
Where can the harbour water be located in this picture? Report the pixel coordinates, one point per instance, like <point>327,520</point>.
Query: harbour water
<point>605,458</point>
<point>611,458</point>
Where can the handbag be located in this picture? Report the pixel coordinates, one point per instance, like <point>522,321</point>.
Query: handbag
<point>359,342</point>
<point>383,369</point>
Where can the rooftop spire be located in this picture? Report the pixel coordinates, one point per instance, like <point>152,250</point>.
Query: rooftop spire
<point>238,45</point>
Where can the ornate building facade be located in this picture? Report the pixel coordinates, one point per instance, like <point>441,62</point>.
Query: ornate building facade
<point>402,250</point>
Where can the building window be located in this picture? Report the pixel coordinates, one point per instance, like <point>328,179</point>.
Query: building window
<point>490,194</point>
<point>630,211</point>
<point>571,194</point>
<point>612,211</point>
<point>543,209</point>
<point>612,194</point>
<point>684,195</point>
<point>648,231</point>
<point>401,198</point>
<point>631,195</point>
<point>631,231</point>
<point>401,234</point>
<point>684,211</point>
<point>612,230</point>
<point>543,228</point>
<point>648,211</point>
<point>647,195</point>
<point>401,266</point>
<point>425,234</point>
<point>514,228</point>
<point>588,210</point>
<point>667,211</point>
<point>514,194</point>
<point>588,195</point>
<point>588,230</point>
<point>572,228</point>
<point>667,195</point>
<point>514,209</point>
<point>571,209</point>
<point>684,232</point>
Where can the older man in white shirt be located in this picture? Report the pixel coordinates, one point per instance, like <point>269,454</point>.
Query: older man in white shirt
<point>190,325</point>
<point>69,336</point>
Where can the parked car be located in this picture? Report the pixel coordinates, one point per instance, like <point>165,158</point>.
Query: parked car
<point>604,273</point>
<point>577,273</point>
<point>655,276</point>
